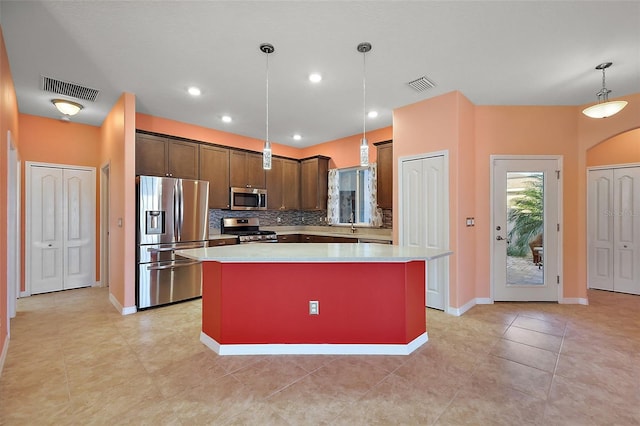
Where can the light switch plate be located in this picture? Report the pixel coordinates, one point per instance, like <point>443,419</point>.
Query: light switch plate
<point>314,307</point>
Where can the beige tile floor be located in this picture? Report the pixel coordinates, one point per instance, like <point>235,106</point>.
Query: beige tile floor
<point>74,360</point>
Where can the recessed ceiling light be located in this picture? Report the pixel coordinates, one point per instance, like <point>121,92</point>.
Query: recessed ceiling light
<point>226,119</point>
<point>372,114</point>
<point>315,77</point>
<point>297,137</point>
<point>194,91</point>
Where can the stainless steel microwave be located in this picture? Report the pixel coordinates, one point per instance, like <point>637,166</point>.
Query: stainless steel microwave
<point>248,199</point>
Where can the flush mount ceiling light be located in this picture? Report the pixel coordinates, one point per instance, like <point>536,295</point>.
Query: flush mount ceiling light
<point>194,91</point>
<point>372,114</point>
<point>604,108</point>
<point>67,107</point>
<point>226,119</point>
<point>297,137</point>
<point>315,77</point>
<point>267,48</point>
<point>364,145</point>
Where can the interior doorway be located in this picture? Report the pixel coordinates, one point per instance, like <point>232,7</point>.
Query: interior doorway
<point>526,236</point>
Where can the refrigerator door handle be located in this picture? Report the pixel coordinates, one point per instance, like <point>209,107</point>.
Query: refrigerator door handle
<point>174,248</point>
<point>173,265</point>
<point>176,211</point>
<point>180,210</point>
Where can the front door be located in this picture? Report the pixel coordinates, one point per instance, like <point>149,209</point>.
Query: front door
<point>61,228</point>
<point>526,229</point>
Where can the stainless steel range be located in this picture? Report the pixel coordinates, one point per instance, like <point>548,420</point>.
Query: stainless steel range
<point>247,229</point>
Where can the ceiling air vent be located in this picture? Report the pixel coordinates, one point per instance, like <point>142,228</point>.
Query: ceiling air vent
<point>69,89</point>
<point>421,84</point>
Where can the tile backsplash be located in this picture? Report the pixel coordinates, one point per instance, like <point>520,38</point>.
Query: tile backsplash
<point>284,218</point>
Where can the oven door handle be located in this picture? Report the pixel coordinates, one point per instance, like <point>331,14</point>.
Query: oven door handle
<point>173,265</point>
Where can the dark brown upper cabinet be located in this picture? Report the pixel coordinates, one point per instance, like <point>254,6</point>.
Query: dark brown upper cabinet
<point>385,174</point>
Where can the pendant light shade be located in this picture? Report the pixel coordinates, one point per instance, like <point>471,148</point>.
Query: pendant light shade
<point>364,144</point>
<point>604,108</point>
<point>267,48</point>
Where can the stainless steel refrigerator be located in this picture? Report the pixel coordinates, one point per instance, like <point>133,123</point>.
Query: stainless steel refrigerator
<point>172,214</point>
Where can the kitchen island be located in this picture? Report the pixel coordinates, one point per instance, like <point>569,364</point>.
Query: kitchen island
<point>313,298</point>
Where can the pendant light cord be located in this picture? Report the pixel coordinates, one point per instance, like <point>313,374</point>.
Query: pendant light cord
<point>364,95</point>
<point>267,85</point>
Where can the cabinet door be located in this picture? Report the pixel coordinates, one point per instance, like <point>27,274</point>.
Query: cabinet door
<point>183,160</point>
<point>292,238</point>
<point>214,168</point>
<point>290,185</point>
<point>313,177</point>
<point>275,184</point>
<point>255,172</point>
<point>246,170</point>
<point>385,175</point>
<point>151,155</point>
<point>223,242</point>
<point>237,168</point>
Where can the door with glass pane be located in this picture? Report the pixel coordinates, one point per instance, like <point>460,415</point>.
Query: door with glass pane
<point>525,229</point>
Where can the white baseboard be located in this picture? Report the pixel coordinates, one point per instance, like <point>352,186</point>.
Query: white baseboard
<point>473,302</point>
<point>574,301</point>
<point>3,355</point>
<point>313,349</point>
<point>25,294</point>
<point>123,311</point>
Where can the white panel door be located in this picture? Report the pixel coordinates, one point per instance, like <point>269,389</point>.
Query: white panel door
<point>79,228</point>
<point>600,229</point>
<point>45,222</point>
<point>425,207</point>
<point>626,214</point>
<point>61,228</point>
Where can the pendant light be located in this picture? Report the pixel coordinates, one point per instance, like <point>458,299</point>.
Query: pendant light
<point>266,151</point>
<point>364,145</point>
<point>604,108</point>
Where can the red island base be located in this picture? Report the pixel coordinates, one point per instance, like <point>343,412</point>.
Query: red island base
<point>264,308</point>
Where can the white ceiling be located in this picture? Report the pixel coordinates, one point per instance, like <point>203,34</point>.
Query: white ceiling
<point>495,53</point>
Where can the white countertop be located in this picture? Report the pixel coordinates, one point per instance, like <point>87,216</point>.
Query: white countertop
<point>312,252</point>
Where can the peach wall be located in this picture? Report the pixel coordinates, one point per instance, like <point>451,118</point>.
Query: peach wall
<point>429,126</point>
<point>118,150</point>
<point>8,122</point>
<point>203,134</point>
<point>345,152</point>
<point>60,142</point>
<point>466,171</point>
<point>590,133</point>
<point>527,130</point>
<point>621,149</point>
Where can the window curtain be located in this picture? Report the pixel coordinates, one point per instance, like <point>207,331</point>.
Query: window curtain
<point>371,185</point>
<point>333,198</point>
